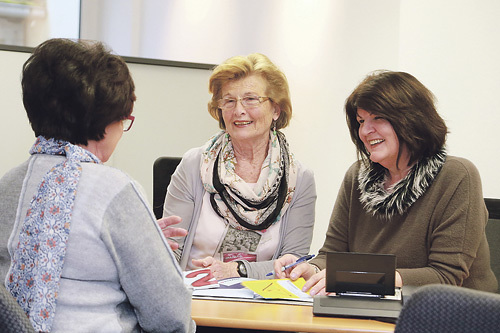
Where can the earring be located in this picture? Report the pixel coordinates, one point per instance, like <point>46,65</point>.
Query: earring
<point>274,127</point>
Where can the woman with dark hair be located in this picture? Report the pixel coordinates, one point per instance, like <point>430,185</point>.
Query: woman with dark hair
<point>405,195</point>
<point>84,245</point>
<point>243,196</point>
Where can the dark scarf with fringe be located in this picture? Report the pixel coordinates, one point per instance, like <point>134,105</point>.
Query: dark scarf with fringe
<point>377,201</point>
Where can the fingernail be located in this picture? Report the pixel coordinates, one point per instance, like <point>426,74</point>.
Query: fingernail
<point>312,292</point>
<point>293,276</point>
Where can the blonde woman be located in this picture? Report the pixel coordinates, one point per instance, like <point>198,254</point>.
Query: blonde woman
<point>243,196</point>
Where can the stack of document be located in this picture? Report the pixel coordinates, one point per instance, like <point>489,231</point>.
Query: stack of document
<point>204,285</point>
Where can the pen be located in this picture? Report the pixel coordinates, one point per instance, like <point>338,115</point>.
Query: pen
<point>300,260</point>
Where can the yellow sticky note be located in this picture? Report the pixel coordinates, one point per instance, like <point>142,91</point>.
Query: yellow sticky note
<point>277,288</point>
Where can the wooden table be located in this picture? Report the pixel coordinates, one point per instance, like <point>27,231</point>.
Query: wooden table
<point>278,317</point>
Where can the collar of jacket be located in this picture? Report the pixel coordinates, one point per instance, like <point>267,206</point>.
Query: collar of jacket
<point>377,201</point>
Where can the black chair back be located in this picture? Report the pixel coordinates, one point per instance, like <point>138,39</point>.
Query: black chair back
<point>13,319</point>
<point>493,234</point>
<point>163,168</point>
<point>445,308</point>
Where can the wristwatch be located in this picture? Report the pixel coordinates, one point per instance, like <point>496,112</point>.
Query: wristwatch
<point>242,270</point>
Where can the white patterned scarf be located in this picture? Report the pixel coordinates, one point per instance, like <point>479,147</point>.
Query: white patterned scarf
<point>38,260</point>
<point>243,206</point>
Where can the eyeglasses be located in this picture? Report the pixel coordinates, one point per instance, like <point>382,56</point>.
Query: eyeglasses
<point>127,123</point>
<point>229,103</point>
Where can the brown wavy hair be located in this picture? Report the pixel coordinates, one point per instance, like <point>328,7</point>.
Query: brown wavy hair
<point>407,104</point>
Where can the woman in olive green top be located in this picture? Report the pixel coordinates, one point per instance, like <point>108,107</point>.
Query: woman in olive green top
<point>405,195</point>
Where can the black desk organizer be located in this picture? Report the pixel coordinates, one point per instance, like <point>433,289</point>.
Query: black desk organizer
<point>364,287</point>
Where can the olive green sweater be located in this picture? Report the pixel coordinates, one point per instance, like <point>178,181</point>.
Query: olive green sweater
<point>439,239</point>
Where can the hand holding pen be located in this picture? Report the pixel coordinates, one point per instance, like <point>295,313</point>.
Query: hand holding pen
<point>299,261</point>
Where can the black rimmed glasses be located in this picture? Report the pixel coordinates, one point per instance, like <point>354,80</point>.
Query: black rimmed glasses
<point>229,103</point>
<point>127,123</point>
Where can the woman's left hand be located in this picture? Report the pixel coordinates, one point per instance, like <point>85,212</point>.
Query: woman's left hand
<point>220,270</point>
<point>399,280</point>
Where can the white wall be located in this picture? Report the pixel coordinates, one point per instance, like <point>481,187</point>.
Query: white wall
<point>325,47</point>
<point>15,132</point>
<point>170,119</point>
<point>454,48</point>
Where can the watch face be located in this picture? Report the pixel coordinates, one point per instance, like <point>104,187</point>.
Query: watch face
<point>242,271</point>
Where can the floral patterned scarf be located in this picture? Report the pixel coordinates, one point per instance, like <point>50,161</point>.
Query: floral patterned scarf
<point>38,260</point>
<point>245,207</point>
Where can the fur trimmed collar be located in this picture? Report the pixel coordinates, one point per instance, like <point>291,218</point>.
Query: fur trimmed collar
<point>377,201</point>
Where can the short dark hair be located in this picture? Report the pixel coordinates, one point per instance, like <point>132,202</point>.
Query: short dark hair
<point>72,90</point>
<point>407,104</point>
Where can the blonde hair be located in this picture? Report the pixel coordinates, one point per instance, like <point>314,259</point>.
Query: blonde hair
<point>240,67</point>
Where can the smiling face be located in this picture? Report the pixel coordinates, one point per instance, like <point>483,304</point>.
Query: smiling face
<point>248,125</point>
<point>380,140</point>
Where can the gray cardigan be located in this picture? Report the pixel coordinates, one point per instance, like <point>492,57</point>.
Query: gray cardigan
<point>118,272</point>
<point>185,196</point>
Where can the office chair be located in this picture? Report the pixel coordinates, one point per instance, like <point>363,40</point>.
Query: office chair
<point>493,234</point>
<point>445,308</point>
<point>163,168</point>
<point>13,319</point>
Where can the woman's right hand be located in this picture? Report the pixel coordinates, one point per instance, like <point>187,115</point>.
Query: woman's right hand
<point>315,282</point>
<point>220,270</point>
